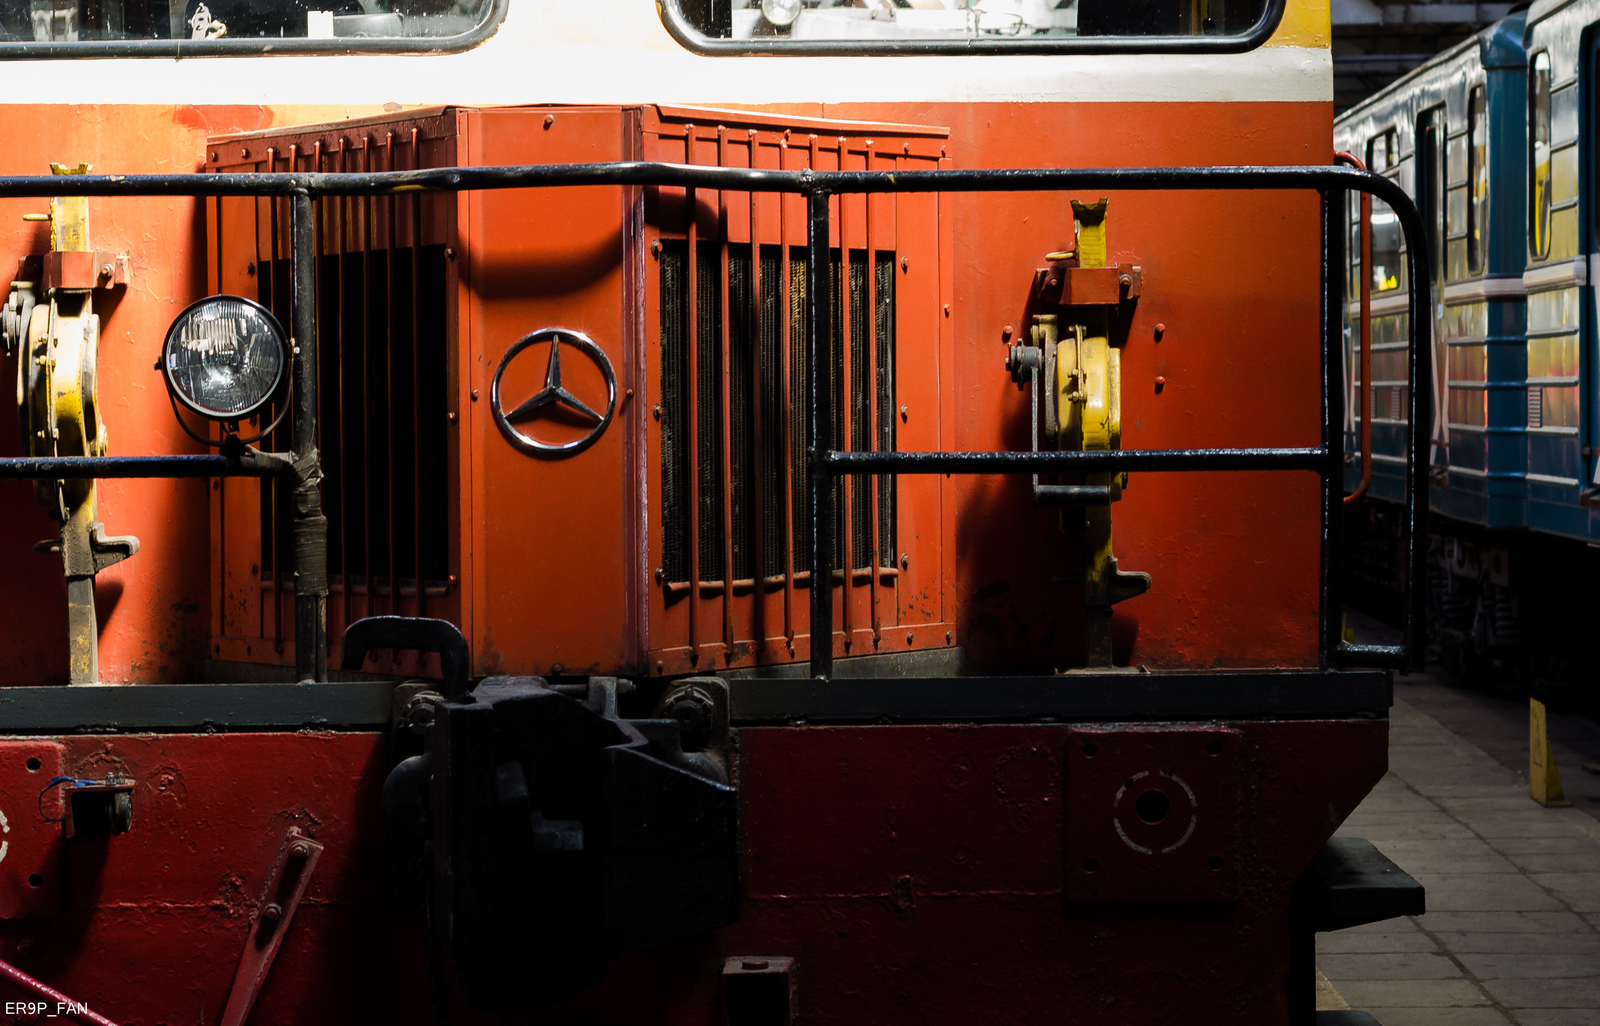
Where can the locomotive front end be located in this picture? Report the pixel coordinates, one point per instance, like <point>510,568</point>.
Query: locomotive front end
<point>840,521</point>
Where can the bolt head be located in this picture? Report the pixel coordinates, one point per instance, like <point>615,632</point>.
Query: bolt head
<point>272,913</point>
<point>300,850</point>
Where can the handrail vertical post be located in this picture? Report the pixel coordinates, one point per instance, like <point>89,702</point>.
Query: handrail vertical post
<point>310,526</point>
<point>1421,434</point>
<point>819,324</point>
<point>1333,202</point>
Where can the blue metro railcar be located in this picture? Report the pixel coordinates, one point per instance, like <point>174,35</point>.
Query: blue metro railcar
<point>1494,139</point>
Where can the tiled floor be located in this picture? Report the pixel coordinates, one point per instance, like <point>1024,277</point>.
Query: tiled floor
<point>1512,933</point>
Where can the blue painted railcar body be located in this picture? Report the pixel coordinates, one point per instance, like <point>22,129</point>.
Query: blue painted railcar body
<point>1450,133</point>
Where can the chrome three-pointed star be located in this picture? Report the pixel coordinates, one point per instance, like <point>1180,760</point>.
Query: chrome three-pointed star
<point>553,394</point>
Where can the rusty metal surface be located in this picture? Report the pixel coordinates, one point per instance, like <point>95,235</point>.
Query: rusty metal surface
<point>286,885</point>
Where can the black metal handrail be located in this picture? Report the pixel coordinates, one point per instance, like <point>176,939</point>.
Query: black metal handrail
<point>826,463</point>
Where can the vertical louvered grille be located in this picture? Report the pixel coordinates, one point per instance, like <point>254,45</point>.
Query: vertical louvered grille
<point>382,409</point>
<point>750,400</point>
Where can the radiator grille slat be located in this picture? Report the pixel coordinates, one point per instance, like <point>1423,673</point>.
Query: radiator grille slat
<point>362,390</point>
<point>745,395</point>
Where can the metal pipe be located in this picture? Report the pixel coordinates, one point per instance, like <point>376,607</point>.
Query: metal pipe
<point>785,314</point>
<point>691,202</point>
<point>389,390</point>
<point>1421,328</point>
<point>365,212</point>
<point>64,1005</point>
<point>725,400</point>
<point>758,452</point>
<point>845,522</point>
<point>341,394</point>
<point>416,385</point>
<point>817,187</point>
<point>1142,460</point>
<point>652,173</point>
<point>78,468</point>
<point>873,484</point>
<point>1366,336</point>
<point>1332,555</point>
<point>310,526</point>
<point>819,323</point>
<point>275,440</point>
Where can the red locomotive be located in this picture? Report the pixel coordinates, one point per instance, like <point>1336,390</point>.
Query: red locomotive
<point>435,636</point>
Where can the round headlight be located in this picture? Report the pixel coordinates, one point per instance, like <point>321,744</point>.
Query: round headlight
<point>781,13</point>
<point>225,357</point>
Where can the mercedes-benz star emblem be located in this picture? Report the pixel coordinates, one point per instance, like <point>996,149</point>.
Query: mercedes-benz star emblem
<point>554,398</point>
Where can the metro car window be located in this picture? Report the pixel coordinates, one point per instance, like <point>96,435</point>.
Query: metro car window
<point>1539,175</point>
<point>69,26</point>
<point>914,26</point>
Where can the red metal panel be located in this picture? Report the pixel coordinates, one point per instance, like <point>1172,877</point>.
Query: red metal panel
<point>769,621</point>
<point>253,619</point>
<point>908,871</point>
<point>1153,813</point>
<point>550,563</point>
<point>30,829</point>
<point>1233,556</point>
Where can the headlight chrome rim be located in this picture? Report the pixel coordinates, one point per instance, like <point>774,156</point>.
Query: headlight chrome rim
<point>275,331</point>
<point>781,8</point>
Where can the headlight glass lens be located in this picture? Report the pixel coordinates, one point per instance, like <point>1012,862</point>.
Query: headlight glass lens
<point>781,13</point>
<point>225,357</point>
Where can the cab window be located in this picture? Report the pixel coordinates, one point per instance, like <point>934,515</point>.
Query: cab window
<point>922,25</point>
<point>65,26</point>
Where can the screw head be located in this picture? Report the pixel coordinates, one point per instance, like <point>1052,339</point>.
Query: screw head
<point>905,264</point>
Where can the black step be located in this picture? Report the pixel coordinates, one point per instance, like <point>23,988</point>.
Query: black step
<point>1351,883</point>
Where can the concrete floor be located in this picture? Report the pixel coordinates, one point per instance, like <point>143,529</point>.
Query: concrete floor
<point>1512,933</point>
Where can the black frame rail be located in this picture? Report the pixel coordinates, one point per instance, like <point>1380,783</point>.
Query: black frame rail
<point>825,462</point>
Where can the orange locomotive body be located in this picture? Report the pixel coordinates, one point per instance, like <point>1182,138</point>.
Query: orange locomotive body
<point>563,432</point>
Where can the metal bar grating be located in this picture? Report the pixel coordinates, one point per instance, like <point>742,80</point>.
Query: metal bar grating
<point>381,317</point>
<point>757,474</point>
